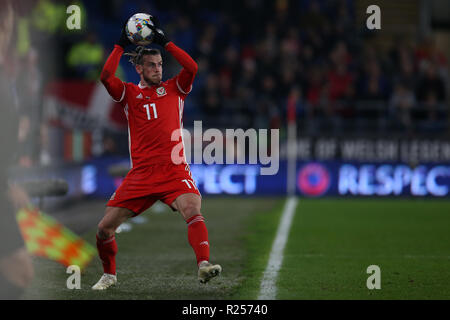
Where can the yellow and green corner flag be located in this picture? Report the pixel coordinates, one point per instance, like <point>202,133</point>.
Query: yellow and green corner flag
<point>45,237</point>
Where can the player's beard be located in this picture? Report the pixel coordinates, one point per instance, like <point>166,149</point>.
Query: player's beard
<point>152,81</point>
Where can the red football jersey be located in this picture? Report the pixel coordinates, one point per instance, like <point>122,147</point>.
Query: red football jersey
<point>154,113</point>
<point>155,120</point>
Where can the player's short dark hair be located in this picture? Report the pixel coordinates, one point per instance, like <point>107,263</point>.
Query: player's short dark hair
<point>137,56</point>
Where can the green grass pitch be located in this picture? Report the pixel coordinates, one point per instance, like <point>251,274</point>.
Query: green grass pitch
<point>332,242</point>
<point>330,245</point>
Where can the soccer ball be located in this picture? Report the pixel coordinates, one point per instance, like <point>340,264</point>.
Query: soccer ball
<point>138,30</point>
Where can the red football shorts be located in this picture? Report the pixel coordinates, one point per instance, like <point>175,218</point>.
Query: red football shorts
<point>143,186</point>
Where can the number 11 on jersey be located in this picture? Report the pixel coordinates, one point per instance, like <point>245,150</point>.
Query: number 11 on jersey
<point>147,107</point>
<point>189,182</point>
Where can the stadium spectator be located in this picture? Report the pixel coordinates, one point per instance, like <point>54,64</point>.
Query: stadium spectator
<point>313,18</point>
<point>407,73</point>
<point>401,104</point>
<point>428,51</point>
<point>315,85</point>
<point>184,33</point>
<point>295,97</point>
<point>47,18</point>
<point>432,116</point>
<point>85,59</point>
<point>339,80</point>
<point>430,82</point>
<point>373,86</point>
<point>212,103</point>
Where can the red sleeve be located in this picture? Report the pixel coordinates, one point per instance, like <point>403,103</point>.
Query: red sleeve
<point>186,77</point>
<point>115,86</point>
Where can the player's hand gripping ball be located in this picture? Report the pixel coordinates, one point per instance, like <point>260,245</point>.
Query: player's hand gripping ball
<point>138,29</point>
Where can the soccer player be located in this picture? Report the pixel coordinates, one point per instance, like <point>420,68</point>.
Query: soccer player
<point>154,110</point>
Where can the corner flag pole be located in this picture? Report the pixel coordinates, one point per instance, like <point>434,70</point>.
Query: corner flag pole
<point>291,148</point>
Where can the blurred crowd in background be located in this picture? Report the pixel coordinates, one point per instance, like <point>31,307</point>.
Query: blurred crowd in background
<point>255,58</point>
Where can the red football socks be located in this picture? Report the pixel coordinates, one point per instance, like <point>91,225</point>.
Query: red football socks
<point>198,237</point>
<point>107,250</point>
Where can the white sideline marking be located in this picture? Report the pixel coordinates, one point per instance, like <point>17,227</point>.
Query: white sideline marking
<point>268,289</point>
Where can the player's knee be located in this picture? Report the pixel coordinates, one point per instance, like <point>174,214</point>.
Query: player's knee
<point>190,209</point>
<point>104,231</point>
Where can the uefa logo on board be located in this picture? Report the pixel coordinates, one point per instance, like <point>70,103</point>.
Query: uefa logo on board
<point>313,179</point>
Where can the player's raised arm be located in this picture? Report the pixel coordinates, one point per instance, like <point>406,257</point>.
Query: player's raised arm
<point>190,67</point>
<point>114,85</point>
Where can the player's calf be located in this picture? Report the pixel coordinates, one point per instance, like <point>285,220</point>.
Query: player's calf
<point>106,242</point>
